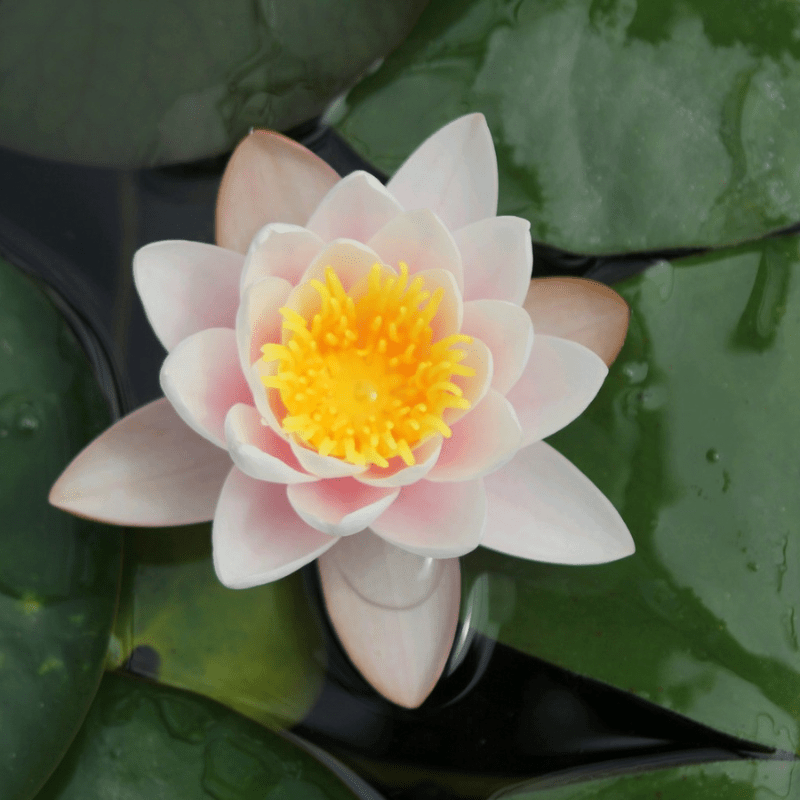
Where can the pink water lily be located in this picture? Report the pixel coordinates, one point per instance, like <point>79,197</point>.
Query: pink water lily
<point>353,375</point>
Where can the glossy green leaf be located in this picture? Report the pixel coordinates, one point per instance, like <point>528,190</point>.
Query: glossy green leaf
<point>727,780</point>
<point>694,438</point>
<point>59,575</point>
<point>144,82</point>
<point>142,741</point>
<point>257,650</point>
<point>619,125</point>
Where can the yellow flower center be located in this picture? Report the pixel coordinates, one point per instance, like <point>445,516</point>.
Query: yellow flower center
<point>363,380</point>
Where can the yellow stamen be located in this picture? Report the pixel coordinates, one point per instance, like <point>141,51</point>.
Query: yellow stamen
<point>362,379</point>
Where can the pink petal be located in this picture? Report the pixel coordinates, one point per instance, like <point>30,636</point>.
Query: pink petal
<point>258,320</point>
<point>269,178</point>
<point>186,287</point>
<point>280,251</point>
<point>323,466</point>
<point>257,538</point>
<point>440,520</point>
<point>394,613</point>
<point>203,379</point>
<point>258,451</point>
<point>482,442</point>
<point>147,469</point>
<point>561,379</point>
<point>479,357</point>
<point>581,310</point>
<point>506,330</point>
<point>421,240</point>
<point>498,259</point>
<point>340,506</point>
<point>450,314</point>
<point>544,509</point>
<point>268,401</point>
<point>355,208</point>
<point>397,473</point>
<point>453,173</point>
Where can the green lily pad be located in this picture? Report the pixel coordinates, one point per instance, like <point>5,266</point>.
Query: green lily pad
<point>257,650</point>
<point>142,741</point>
<point>59,575</point>
<point>619,125</point>
<point>145,83</point>
<point>727,780</point>
<point>694,438</point>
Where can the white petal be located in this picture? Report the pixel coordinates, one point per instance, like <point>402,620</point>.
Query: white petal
<point>453,173</point>
<point>507,331</point>
<point>450,314</point>
<point>440,520</point>
<point>258,451</point>
<point>560,381</point>
<point>149,468</point>
<point>203,380</point>
<point>280,251</point>
<point>479,358</point>
<point>257,538</point>
<point>323,466</point>
<point>421,240</point>
<point>394,613</point>
<point>186,287</point>
<point>544,509</point>
<point>340,506</point>
<point>498,259</point>
<point>355,208</point>
<point>482,441</point>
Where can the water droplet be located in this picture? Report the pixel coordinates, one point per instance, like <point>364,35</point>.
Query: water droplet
<point>662,277</point>
<point>635,371</point>
<point>712,455</point>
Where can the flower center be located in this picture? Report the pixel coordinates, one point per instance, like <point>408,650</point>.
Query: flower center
<point>363,380</point>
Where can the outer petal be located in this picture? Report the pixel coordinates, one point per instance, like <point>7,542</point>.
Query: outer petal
<point>394,613</point>
<point>543,508</point>
<point>203,379</point>
<point>279,251</point>
<point>186,287</point>
<point>498,259</point>
<point>257,537</point>
<point>581,310</point>
<point>440,520</point>
<point>421,240</point>
<point>561,380</point>
<point>453,173</point>
<point>258,451</point>
<point>341,506</point>
<point>147,469</point>
<point>506,330</point>
<point>482,442</point>
<point>258,319</point>
<point>269,178</point>
<point>355,208</point>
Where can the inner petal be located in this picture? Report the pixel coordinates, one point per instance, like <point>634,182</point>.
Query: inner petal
<point>361,377</point>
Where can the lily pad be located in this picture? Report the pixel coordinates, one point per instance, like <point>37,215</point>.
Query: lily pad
<point>257,650</point>
<point>59,575</point>
<point>694,438</point>
<point>142,741</point>
<point>145,83</point>
<point>728,780</point>
<point>619,126</point>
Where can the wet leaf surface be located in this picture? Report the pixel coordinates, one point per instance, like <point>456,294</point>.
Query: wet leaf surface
<point>619,125</point>
<point>694,439</point>
<point>59,575</point>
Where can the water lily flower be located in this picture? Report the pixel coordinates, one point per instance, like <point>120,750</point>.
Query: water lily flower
<point>364,375</point>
